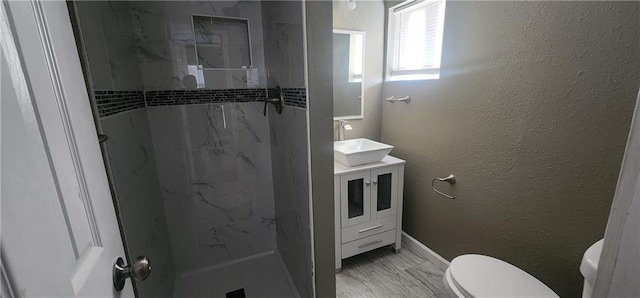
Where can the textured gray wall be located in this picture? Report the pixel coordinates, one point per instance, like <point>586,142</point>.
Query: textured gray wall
<point>368,17</point>
<point>531,114</point>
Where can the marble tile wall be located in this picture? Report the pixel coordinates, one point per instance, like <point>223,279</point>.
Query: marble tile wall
<point>215,172</point>
<point>135,180</point>
<point>114,77</point>
<point>284,52</point>
<point>214,167</point>
<point>291,194</point>
<point>109,45</point>
<point>283,43</point>
<point>165,43</point>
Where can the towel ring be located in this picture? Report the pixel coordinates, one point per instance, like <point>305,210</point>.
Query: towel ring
<point>451,179</point>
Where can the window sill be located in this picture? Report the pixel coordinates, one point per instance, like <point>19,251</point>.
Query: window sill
<point>414,77</point>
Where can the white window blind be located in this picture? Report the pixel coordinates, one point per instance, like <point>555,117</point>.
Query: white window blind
<point>417,38</point>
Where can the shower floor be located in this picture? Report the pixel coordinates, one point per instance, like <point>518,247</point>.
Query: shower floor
<point>262,275</point>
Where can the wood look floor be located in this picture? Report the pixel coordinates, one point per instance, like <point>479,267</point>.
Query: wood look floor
<point>382,273</point>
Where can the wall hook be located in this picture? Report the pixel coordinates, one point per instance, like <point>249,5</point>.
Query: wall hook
<point>451,179</point>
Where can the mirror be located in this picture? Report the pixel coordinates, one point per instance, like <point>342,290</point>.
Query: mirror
<point>222,42</point>
<point>348,74</point>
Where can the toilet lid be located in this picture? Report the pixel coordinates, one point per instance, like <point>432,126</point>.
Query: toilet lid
<point>483,276</point>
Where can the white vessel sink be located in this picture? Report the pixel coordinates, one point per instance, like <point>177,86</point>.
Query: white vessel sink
<point>357,152</point>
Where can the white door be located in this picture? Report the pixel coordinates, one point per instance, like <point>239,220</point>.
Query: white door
<point>60,236</point>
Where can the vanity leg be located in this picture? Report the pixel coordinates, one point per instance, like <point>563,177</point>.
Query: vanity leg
<point>396,248</point>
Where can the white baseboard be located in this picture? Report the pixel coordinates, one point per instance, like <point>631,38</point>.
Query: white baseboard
<point>424,251</point>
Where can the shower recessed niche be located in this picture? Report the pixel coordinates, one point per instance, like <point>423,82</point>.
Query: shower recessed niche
<point>222,43</point>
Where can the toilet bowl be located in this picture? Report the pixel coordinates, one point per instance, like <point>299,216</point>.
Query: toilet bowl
<point>483,276</point>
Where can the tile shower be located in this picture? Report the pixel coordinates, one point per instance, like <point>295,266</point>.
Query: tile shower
<point>202,179</point>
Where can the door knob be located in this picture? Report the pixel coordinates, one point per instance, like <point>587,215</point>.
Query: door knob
<point>140,270</point>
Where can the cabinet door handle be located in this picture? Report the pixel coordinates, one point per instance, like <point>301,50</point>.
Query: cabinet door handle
<point>367,183</point>
<point>370,228</point>
<point>375,181</point>
<point>369,243</point>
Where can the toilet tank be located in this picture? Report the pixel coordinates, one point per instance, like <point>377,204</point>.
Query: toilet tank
<point>589,267</point>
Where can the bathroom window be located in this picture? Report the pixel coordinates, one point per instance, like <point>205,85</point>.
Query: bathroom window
<point>415,40</point>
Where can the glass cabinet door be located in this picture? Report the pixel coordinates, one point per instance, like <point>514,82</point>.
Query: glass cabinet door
<point>356,198</point>
<point>384,192</point>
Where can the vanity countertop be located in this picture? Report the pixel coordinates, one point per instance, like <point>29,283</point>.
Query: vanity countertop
<point>339,168</point>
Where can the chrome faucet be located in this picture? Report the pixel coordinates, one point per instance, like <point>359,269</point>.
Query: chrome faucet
<point>342,126</point>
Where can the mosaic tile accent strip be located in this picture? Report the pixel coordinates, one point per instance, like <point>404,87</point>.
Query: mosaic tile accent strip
<point>296,97</point>
<point>185,97</point>
<point>110,102</point>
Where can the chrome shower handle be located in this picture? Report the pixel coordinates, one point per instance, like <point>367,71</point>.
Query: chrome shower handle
<point>277,101</point>
<point>274,101</point>
<point>451,179</point>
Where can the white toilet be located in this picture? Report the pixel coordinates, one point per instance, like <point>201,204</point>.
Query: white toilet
<point>589,267</point>
<point>483,276</point>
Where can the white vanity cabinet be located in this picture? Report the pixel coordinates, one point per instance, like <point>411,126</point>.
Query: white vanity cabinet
<point>368,206</point>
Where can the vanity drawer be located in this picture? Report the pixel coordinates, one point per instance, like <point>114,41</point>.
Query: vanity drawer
<point>366,244</point>
<point>368,228</point>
